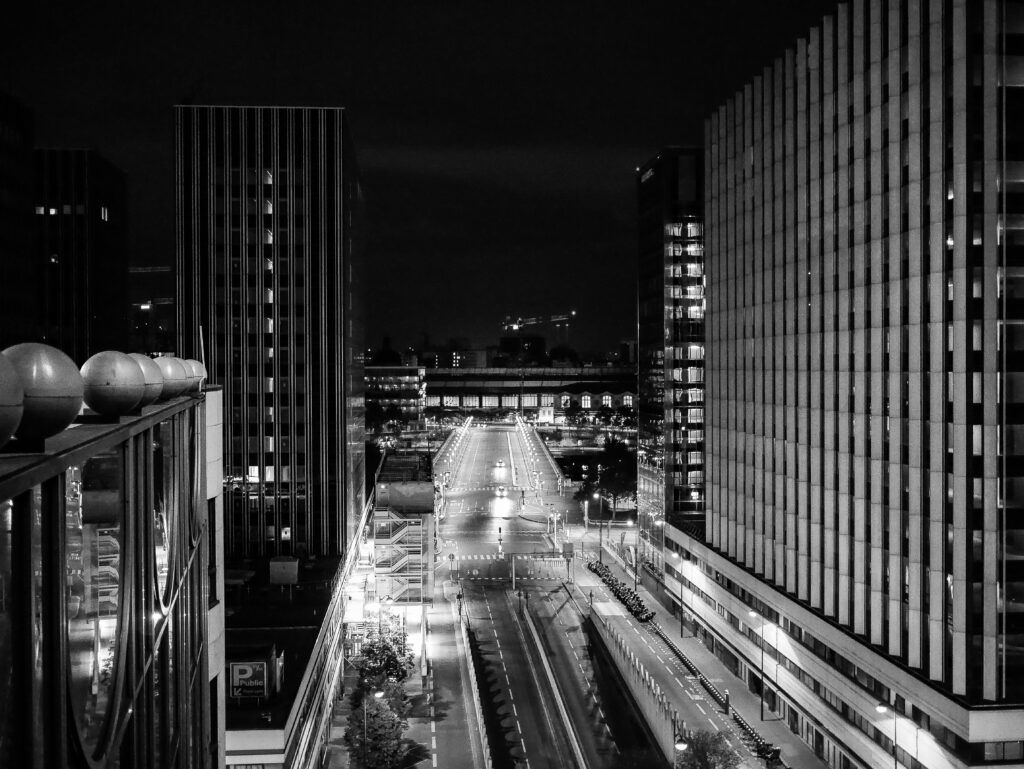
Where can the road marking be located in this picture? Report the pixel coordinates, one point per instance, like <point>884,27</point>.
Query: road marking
<point>701,710</point>
<point>433,727</point>
<point>433,743</point>
<point>509,683</point>
<point>510,696</point>
<point>677,681</point>
<point>514,711</point>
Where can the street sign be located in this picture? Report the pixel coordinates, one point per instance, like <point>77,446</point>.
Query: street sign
<point>567,549</point>
<point>248,679</point>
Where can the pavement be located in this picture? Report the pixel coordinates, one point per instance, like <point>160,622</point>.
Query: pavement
<point>699,710</point>
<point>441,728</point>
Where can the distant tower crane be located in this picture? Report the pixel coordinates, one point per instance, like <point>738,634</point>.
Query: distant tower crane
<point>559,321</point>
<point>516,324</point>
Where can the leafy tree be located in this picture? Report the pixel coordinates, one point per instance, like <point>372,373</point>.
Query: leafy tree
<point>618,471</point>
<point>707,750</point>
<point>384,657</point>
<point>374,735</point>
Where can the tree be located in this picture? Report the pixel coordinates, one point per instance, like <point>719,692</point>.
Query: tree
<point>707,750</point>
<point>374,735</point>
<point>618,471</point>
<point>384,657</point>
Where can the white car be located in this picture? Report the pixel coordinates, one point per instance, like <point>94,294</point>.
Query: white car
<point>501,491</point>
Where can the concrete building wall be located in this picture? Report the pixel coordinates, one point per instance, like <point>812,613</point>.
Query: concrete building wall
<point>860,353</point>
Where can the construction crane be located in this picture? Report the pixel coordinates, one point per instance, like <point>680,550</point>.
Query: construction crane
<point>559,321</point>
<point>516,324</point>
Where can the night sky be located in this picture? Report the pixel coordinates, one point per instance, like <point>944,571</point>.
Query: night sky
<point>497,141</point>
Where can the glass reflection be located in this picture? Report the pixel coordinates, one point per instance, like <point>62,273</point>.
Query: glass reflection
<point>165,493</point>
<point>6,706</point>
<point>94,510</point>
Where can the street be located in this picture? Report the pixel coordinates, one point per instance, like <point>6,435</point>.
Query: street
<point>498,518</point>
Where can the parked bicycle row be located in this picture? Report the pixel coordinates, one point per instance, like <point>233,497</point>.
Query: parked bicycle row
<point>627,595</point>
<point>761,747</point>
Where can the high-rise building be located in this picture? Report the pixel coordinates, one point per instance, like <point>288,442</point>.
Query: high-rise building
<point>19,308</point>
<point>82,252</point>
<point>151,294</point>
<point>670,346</point>
<point>865,507</point>
<point>266,200</point>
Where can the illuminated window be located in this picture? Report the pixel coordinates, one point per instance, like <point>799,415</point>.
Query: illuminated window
<point>606,400</point>
<point>585,401</point>
<point>104,213</point>
<point>566,401</point>
<point>41,210</point>
<point>627,401</point>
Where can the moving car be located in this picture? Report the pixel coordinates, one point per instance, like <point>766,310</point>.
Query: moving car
<point>500,463</point>
<point>501,491</point>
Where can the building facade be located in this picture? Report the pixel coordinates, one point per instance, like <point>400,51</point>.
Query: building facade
<point>397,387</point>
<point>81,248</point>
<point>111,631</point>
<point>499,390</point>
<point>670,346</point>
<point>864,522</point>
<point>19,309</point>
<point>267,199</point>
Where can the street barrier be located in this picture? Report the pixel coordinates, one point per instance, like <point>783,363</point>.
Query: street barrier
<point>759,744</point>
<point>478,707</point>
<point>661,717</point>
<point>562,712</point>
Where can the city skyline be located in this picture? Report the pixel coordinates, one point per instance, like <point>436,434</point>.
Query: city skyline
<point>496,148</point>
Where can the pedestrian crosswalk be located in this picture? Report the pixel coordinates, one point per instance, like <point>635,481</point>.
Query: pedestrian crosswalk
<point>519,578</point>
<point>518,556</point>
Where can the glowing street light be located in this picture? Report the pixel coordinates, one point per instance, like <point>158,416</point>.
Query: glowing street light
<point>895,746</point>
<point>376,695</point>
<point>765,621</point>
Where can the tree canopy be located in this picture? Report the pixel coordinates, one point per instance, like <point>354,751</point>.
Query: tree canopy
<point>707,750</point>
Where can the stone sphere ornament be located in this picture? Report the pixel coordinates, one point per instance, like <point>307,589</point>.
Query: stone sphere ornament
<point>12,396</point>
<point>114,383</point>
<point>176,376</point>
<point>198,374</point>
<point>153,376</point>
<point>53,390</point>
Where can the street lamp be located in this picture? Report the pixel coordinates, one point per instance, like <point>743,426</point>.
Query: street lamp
<point>600,530</point>
<point>680,745</point>
<point>764,621</point>
<point>895,747</point>
<point>380,614</point>
<point>376,695</point>
<point>636,560</point>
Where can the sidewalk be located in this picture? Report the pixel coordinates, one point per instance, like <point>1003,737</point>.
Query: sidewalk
<point>442,725</point>
<point>795,752</point>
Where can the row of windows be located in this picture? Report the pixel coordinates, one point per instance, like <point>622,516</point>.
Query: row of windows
<point>823,651</point>
<point>66,209</point>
